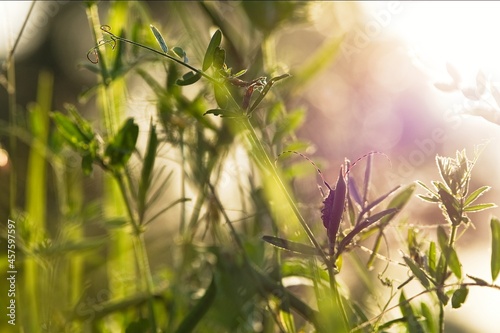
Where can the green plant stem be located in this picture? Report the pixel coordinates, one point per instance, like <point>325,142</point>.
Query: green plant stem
<point>140,251</point>
<point>336,298</point>
<point>145,269</point>
<point>9,67</point>
<point>451,243</point>
<point>264,162</point>
<point>183,181</point>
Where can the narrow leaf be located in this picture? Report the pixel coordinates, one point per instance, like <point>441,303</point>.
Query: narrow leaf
<point>398,202</point>
<point>431,257</point>
<point>442,238</point>
<point>479,281</point>
<point>429,316</point>
<point>192,319</point>
<point>70,131</point>
<point>454,262</point>
<point>159,38</point>
<point>123,143</point>
<point>479,207</point>
<point>291,246</point>
<point>407,311</point>
<point>147,169</point>
<point>428,199</point>
<point>476,194</point>
<point>417,271</point>
<point>209,54</point>
<point>377,201</point>
<point>495,247</point>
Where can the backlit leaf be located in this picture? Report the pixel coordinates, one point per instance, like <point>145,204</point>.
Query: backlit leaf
<point>479,207</point>
<point>209,54</point>
<point>476,194</point>
<point>159,38</point>
<point>417,271</point>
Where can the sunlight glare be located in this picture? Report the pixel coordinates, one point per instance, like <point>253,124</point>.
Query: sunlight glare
<point>464,34</point>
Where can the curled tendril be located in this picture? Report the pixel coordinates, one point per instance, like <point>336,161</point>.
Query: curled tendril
<point>106,28</point>
<point>95,54</point>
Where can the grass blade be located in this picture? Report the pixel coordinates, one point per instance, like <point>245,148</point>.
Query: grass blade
<point>189,323</point>
<point>495,247</point>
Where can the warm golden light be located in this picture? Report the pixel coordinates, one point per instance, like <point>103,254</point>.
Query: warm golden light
<point>462,33</point>
<point>4,158</point>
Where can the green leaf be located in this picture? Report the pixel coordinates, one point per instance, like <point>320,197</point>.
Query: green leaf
<point>221,96</point>
<point>180,53</point>
<point>426,187</point>
<point>147,169</point>
<point>219,58</point>
<point>430,322</point>
<point>459,297</point>
<point>449,252</point>
<point>479,207</point>
<point>291,246</point>
<point>192,319</point>
<point>411,320</point>
<point>71,132</point>
<point>431,256</point>
<point>476,194</point>
<point>291,122</point>
<point>122,145</point>
<point>188,78</point>
<point>454,262</point>
<point>442,238</point>
<point>495,247</point>
<point>295,266</point>
<point>428,199</point>
<point>398,202</point>
<point>417,271</point>
<point>159,38</point>
<point>87,164</point>
<point>209,54</point>
<point>240,73</point>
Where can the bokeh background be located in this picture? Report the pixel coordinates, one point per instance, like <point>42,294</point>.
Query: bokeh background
<point>376,91</point>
